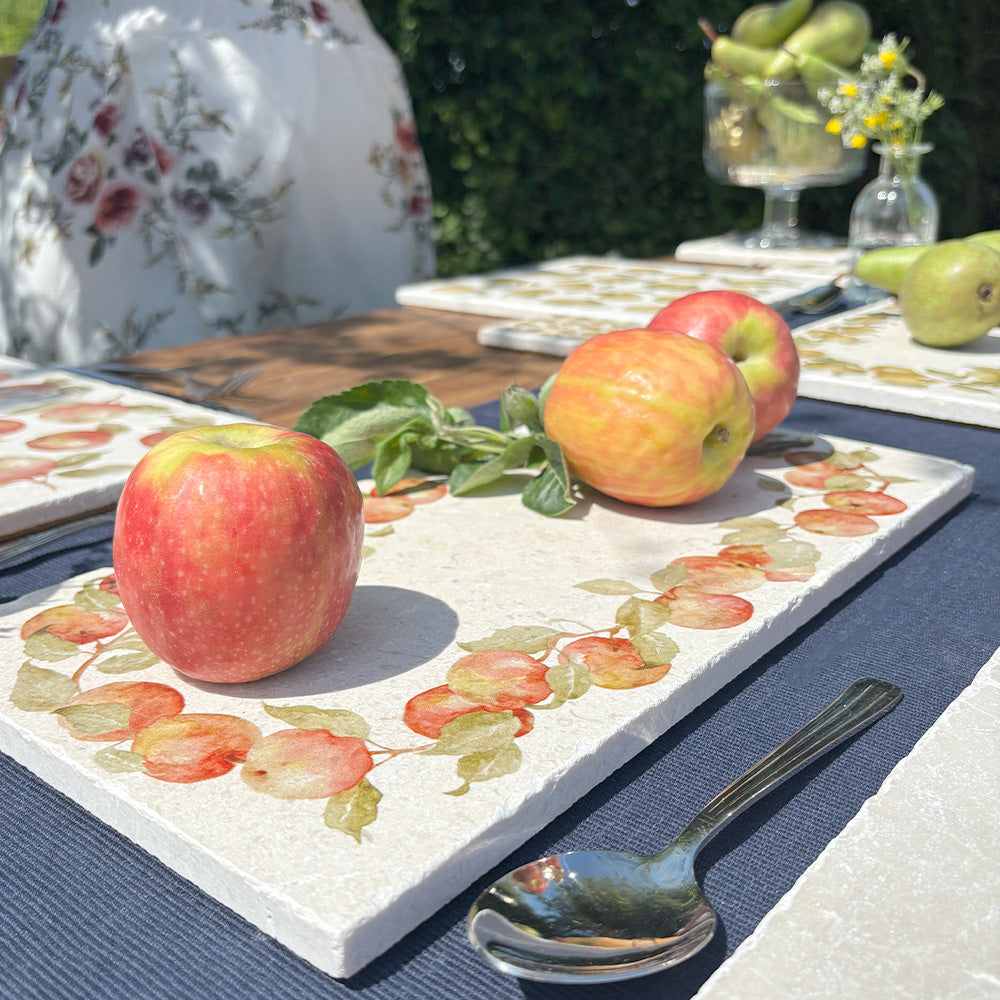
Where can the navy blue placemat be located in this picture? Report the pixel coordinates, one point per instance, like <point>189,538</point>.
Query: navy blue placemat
<point>87,915</point>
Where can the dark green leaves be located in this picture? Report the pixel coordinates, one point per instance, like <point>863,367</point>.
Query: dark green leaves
<point>398,427</point>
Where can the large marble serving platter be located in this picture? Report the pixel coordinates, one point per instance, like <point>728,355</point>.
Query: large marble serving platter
<point>68,442</point>
<point>691,597</point>
<point>863,356</point>
<point>909,889</point>
<point>620,290</point>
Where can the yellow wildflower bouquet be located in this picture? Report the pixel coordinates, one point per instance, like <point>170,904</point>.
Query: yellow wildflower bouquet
<point>878,104</point>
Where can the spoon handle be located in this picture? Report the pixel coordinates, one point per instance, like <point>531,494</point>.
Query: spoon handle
<point>861,704</point>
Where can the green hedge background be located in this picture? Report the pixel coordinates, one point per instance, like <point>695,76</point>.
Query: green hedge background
<point>554,127</point>
<point>574,126</point>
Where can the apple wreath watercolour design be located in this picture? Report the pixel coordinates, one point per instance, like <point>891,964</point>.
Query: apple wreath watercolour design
<point>490,697</point>
<point>77,445</point>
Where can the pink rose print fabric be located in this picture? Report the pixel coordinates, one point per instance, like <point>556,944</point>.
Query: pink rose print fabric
<point>173,172</point>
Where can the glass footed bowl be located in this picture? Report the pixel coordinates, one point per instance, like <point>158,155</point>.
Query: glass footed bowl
<point>772,135</point>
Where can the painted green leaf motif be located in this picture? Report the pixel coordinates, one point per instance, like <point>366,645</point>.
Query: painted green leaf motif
<point>95,599</point>
<point>92,720</point>
<point>46,646</point>
<point>769,485</point>
<point>516,639</point>
<point>487,764</point>
<point>71,461</point>
<point>475,732</point>
<point>352,810</point>
<point>845,481</point>
<point>641,617</point>
<point>127,663</point>
<point>667,578</point>
<point>752,531</point>
<point>609,588</point>
<point>338,721</point>
<point>655,648</point>
<point>117,761</point>
<point>104,470</point>
<point>38,689</point>
<point>568,681</point>
<point>789,554</point>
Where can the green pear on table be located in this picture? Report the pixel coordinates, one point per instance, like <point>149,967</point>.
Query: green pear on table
<point>766,25</point>
<point>836,30</point>
<point>885,267</point>
<point>950,294</point>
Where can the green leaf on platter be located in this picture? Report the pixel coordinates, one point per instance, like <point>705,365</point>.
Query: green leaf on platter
<point>117,761</point>
<point>519,408</point>
<point>543,393</point>
<point>393,455</point>
<point>667,578</point>
<point>549,493</point>
<point>469,476</point>
<point>353,421</point>
<point>127,663</point>
<point>475,732</point>
<point>46,646</point>
<point>516,639</point>
<point>127,641</point>
<point>609,588</point>
<point>655,648</point>
<point>568,681</point>
<point>388,529</point>
<point>641,617</point>
<point>338,721</point>
<point>92,720</point>
<point>484,765</point>
<point>38,689</point>
<point>351,810</point>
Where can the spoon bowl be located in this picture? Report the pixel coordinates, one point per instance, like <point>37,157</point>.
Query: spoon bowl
<point>599,916</point>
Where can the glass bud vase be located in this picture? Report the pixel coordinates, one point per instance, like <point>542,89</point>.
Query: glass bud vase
<point>897,208</point>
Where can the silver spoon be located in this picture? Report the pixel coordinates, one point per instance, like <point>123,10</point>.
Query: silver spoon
<point>814,302</point>
<point>598,916</point>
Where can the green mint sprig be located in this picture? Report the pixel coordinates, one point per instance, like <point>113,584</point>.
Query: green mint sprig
<point>399,427</point>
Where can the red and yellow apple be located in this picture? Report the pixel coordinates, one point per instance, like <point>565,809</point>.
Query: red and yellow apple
<point>650,417</point>
<point>237,549</point>
<point>753,335</point>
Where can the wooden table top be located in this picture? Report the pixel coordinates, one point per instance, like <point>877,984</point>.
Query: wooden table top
<point>299,365</point>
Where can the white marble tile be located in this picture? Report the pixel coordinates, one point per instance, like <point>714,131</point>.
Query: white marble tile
<point>68,442</point>
<point>905,903</point>
<point>453,577</point>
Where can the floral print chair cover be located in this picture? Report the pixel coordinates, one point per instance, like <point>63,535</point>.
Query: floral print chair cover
<point>172,172</point>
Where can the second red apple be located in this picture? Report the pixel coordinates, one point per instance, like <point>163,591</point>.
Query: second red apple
<point>751,333</point>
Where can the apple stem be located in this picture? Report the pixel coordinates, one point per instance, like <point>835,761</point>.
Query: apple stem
<point>98,649</point>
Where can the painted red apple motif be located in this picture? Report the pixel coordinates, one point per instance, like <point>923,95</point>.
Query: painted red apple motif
<point>306,764</point>
<point>24,468</point>
<point>194,747</point>
<point>76,624</point>
<point>144,702</point>
<point>85,413</point>
<point>430,711</point>
<point>612,662</point>
<point>71,440</point>
<point>499,679</point>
